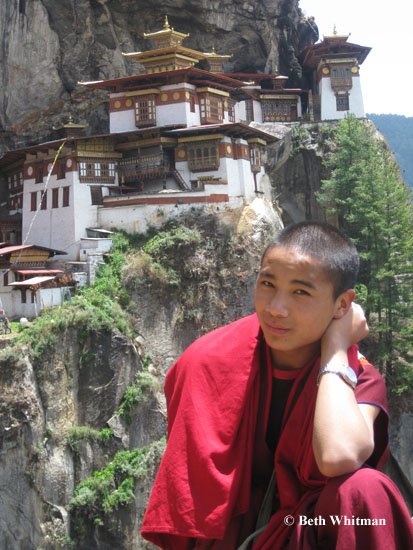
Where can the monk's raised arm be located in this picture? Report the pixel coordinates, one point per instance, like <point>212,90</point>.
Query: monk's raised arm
<point>343,436</point>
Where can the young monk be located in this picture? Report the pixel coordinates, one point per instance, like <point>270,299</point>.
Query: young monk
<point>276,423</point>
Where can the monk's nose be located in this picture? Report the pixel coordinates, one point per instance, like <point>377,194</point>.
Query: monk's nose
<point>277,306</point>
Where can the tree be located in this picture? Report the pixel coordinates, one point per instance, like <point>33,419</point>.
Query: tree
<point>372,205</point>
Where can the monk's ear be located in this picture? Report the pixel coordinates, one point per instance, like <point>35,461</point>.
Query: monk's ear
<point>343,303</point>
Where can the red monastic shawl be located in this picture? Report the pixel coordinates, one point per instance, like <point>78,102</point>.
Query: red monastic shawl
<point>204,478</point>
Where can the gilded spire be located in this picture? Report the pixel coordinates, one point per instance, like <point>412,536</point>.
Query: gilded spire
<point>166,24</point>
<point>335,30</point>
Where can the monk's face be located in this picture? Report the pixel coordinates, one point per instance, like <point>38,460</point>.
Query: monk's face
<point>295,305</point>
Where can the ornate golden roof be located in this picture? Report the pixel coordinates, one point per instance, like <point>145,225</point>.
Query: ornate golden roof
<point>69,124</point>
<point>167,36</point>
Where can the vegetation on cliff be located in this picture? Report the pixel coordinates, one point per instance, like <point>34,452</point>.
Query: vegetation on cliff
<point>113,486</point>
<point>373,207</point>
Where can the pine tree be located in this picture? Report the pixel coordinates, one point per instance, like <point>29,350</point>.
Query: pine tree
<point>372,206</point>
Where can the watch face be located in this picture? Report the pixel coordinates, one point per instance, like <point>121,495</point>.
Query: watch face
<point>351,375</point>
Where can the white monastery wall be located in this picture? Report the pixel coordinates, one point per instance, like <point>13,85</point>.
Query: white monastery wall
<point>257,111</point>
<point>329,104</point>
<point>356,98</point>
<point>138,218</point>
<point>86,213</point>
<point>122,121</point>
<point>174,113</point>
<point>52,227</point>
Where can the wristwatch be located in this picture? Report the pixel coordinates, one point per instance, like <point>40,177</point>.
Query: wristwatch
<point>345,371</point>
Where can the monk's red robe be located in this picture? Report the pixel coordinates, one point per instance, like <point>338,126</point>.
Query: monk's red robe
<point>203,486</point>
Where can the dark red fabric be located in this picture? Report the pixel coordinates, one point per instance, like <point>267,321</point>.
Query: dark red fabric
<point>204,480</point>
<point>361,510</point>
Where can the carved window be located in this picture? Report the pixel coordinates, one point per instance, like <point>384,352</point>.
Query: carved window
<point>255,158</point>
<point>203,156</point>
<point>278,109</point>
<point>342,102</point>
<point>211,108</point>
<point>145,111</point>
<point>92,170</point>
<point>341,77</point>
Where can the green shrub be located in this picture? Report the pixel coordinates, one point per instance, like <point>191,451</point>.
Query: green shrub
<point>77,433</point>
<point>144,387</point>
<point>108,489</point>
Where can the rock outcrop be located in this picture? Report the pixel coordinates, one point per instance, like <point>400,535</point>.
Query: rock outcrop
<point>46,47</point>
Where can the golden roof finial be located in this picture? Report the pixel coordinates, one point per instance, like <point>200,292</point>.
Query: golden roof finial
<point>70,119</point>
<point>166,24</point>
<point>335,30</point>
<point>213,49</point>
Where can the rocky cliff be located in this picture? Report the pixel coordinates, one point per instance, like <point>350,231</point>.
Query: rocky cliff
<point>46,47</point>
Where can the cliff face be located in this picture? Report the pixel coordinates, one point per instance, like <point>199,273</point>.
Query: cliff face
<point>46,47</point>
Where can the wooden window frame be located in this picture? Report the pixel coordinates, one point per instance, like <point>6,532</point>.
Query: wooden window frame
<point>66,197</point>
<point>55,197</point>
<point>145,111</point>
<point>39,174</point>
<point>94,170</point>
<point>33,201</point>
<point>211,108</point>
<point>96,195</point>
<point>203,156</point>
<point>256,159</point>
<point>274,110</point>
<point>341,77</point>
<point>231,110</point>
<point>61,170</point>
<point>342,102</point>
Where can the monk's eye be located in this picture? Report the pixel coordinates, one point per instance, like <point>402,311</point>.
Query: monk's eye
<point>268,284</point>
<point>302,292</point>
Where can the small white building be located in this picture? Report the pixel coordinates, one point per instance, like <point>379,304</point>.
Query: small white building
<point>333,68</point>
<point>27,283</point>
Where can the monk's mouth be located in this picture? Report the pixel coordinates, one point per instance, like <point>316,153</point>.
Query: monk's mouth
<point>274,329</point>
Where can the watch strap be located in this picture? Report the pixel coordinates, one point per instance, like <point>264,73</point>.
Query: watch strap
<point>342,370</point>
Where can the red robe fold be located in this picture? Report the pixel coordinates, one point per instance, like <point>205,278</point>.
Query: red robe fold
<point>204,480</point>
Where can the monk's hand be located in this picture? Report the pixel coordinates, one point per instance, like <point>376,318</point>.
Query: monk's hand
<point>348,330</point>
